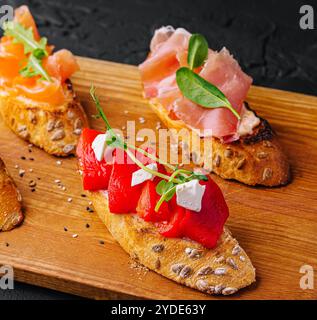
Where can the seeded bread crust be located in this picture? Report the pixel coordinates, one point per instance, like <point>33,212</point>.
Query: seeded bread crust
<point>223,270</point>
<point>256,159</point>
<point>56,129</point>
<point>10,201</point>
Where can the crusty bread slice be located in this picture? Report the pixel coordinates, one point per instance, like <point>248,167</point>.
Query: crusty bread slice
<point>56,129</point>
<point>10,201</point>
<point>223,270</point>
<point>256,159</point>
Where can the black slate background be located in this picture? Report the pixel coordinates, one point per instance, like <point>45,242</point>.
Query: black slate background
<point>263,35</point>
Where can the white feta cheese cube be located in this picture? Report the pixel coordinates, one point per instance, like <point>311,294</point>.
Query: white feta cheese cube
<point>99,145</point>
<point>190,194</point>
<point>141,175</point>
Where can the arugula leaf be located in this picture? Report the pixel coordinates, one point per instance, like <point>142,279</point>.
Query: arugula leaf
<point>24,36</point>
<point>197,51</point>
<point>200,91</point>
<point>34,68</point>
<point>35,49</point>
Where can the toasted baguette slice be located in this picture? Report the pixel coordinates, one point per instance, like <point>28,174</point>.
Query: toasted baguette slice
<point>10,201</point>
<point>223,270</point>
<point>256,159</point>
<point>56,129</point>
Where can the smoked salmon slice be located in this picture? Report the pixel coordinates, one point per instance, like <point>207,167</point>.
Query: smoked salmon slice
<point>59,65</point>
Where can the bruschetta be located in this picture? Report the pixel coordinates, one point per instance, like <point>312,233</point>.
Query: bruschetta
<point>37,100</point>
<point>11,214</point>
<point>244,146</point>
<point>168,219</point>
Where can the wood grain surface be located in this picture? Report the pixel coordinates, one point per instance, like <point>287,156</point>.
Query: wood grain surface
<point>277,227</point>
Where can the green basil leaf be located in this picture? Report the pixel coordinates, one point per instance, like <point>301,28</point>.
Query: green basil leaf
<point>197,51</point>
<point>200,91</point>
<point>160,187</point>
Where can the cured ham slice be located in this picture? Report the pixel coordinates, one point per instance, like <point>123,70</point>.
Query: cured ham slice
<point>169,53</point>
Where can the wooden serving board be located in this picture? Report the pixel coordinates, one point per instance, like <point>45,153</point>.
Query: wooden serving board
<point>277,227</point>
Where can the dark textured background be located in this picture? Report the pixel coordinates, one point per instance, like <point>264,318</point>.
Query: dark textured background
<point>263,35</point>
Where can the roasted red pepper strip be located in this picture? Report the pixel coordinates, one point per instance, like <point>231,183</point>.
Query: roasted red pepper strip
<point>172,229</point>
<point>123,198</point>
<point>96,174</point>
<point>205,226</point>
<point>147,202</point>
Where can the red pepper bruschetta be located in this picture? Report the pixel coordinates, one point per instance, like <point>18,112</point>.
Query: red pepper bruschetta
<point>170,220</point>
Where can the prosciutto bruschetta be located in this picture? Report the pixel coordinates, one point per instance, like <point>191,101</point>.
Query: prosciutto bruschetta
<point>37,100</point>
<point>244,146</point>
<point>170,220</point>
<point>10,201</point>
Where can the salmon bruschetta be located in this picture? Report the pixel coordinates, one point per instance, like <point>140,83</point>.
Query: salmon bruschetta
<point>11,214</point>
<point>37,100</point>
<point>170,220</point>
<point>191,86</point>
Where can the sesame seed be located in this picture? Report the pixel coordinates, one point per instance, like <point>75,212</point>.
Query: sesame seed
<point>57,181</point>
<point>90,203</point>
<point>16,166</point>
<point>7,244</point>
<point>32,184</point>
<point>83,195</point>
<point>70,199</point>
<point>21,173</point>
<point>23,158</point>
<point>31,159</point>
<point>31,170</point>
<point>87,225</point>
<point>59,162</point>
<point>75,235</point>
<point>126,111</point>
<point>65,229</point>
<point>101,242</point>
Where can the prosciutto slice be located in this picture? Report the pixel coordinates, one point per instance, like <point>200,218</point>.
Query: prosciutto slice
<point>169,53</point>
